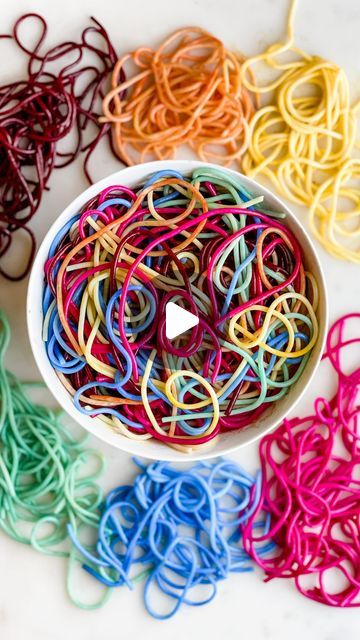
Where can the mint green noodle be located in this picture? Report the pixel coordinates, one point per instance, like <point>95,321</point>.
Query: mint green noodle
<point>217,176</point>
<point>45,481</point>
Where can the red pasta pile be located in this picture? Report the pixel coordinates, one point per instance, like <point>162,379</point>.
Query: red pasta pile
<point>61,94</point>
<point>310,502</point>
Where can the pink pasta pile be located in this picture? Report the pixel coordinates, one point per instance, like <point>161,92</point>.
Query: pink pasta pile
<point>310,503</point>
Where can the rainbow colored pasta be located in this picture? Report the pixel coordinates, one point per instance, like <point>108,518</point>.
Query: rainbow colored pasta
<point>206,244</point>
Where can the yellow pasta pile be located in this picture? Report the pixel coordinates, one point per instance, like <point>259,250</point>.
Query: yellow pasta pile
<point>304,140</point>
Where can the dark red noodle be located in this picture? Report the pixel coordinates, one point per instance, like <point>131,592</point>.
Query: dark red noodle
<point>61,93</point>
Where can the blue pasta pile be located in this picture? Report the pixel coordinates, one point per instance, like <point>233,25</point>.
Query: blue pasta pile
<point>178,528</point>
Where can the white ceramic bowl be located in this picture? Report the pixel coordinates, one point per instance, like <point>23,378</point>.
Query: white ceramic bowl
<point>227,442</point>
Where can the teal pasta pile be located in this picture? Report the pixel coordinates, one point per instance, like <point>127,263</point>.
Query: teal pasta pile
<point>47,478</point>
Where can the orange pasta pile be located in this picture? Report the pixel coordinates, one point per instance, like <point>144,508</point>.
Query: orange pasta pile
<point>188,91</point>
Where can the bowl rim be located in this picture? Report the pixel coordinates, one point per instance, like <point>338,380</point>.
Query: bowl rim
<point>127,176</point>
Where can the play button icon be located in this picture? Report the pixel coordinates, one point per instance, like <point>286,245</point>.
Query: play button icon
<point>178,320</point>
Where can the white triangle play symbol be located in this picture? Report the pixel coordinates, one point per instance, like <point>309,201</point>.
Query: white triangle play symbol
<point>178,320</point>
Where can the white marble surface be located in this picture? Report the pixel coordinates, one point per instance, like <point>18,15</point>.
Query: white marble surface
<point>33,602</point>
